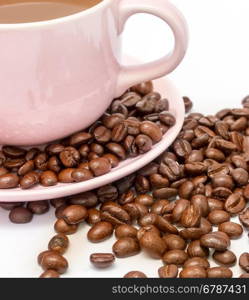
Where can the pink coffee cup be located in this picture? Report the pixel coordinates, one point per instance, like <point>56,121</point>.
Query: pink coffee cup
<point>59,76</point>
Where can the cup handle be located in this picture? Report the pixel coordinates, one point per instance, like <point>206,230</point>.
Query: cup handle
<point>131,75</point>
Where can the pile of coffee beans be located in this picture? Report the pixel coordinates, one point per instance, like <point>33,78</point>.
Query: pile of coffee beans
<point>178,208</point>
<point>131,126</point>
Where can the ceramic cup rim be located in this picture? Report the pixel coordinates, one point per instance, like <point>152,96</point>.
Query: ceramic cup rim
<point>60,20</point>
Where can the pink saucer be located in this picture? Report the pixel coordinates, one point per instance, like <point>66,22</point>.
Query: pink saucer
<point>167,89</point>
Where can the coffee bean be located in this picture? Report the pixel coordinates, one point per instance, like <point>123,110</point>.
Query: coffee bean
<point>143,88</point>
<point>240,176</point>
<point>3,171</point>
<point>59,211</point>
<point>8,181</point>
<point>93,216</point>
<point>135,274</point>
<point>152,244</point>
<point>119,132</point>
<point>219,272</point>
<point>157,181</point>
<point>69,157</point>
<point>87,199</point>
<point>20,215</point>
<point>144,143</point>
<point>61,226</point>
<point>215,240</point>
<point>191,216</point>
<point>175,257</point>
<point>50,274</point>
<point>160,207</point>
<point>10,205</point>
<point>54,149</point>
<point>235,203</point>
<point>41,161</point>
<point>59,243</point>
<point>193,272</point>
<point>244,218</point>
<point>233,230</point>
<point>148,103</point>
<point>245,275</point>
<point>142,184</point>
<point>125,230</point>
<point>26,168</point>
<point>100,232</point>
<point>217,217</point>
<point>215,204</point>
<point>74,214</point>
<point>54,261</point>
<point>179,208</point>
<point>201,203</point>
<point>197,261</point>
<point>58,202</point>
<point>65,176</point>
<point>80,175</point>
<point>13,152</point>
<point>107,193</point>
<point>226,257</point>
<point>152,130</point>
<point>144,199</point>
<point>174,241</point>
<point>169,271</point>
<point>117,150</point>
<point>79,138</point>
<point>48,178</point>
<point>148,228</point>
<point>195,168</point>
<point>126,247</point>
<point>196,249</point>
<point>102,260</point>
<point>165,193</point>
<point>100,166</point>
<point>38,207</point>
<point>193,233</point>
<point>188,104</point>
<point>114,213</point>
<point>167,118</point>
<point>244,261</point>
<point>14,163</point>
<point>223,181</point>
<point>102,134</point>
<point>130,99</point>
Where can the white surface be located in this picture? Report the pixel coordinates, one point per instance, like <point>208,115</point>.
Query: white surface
<point>214,74</point>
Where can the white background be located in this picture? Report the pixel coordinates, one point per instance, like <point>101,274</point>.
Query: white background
<point>214,74</point>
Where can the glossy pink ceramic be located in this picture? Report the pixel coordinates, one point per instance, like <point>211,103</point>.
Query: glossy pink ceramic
<point>165,87</point>
<point>58,76</point>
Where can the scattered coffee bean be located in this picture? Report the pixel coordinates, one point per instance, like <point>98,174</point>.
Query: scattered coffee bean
<point>126,247</point>
<point>74,214</point>
<point>38,207</point>
<point>59,243</point>
<point>135,274</point>
<point>244,261</point>
<point>102,260</point>
<point>193,272</point>
<point>219,272</point>
<point>61,226</point>
<point>226,257</point>
<point>244,218</point>
<point>215,240</point>
<point>54,261</point>
<point>50,274</point>
<point>197,261</point>
<point>100,232</point>
<point>169,271</point>
<point>233,230</point>
<point>125,230</point>
<point>20,215</point>
<point>175,257</point>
